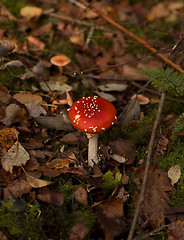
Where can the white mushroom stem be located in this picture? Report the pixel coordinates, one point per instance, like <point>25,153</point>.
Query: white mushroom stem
<point>92,149</point>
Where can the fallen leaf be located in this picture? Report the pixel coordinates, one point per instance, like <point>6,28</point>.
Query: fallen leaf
<point>153,209</point>
<point>81,196</point>
<point>130,112</point>
<point>107,96</point>
<point>59,122</point>
<point>11,114</point>
<point>112,208</point>
<point>175,230</point>
<point>174,174</point>
<point>58,163</point>
<point>34,42</point>
<point>2,236</point>
<point>175,213</point>
<point>79,231</point>
<point>27,98</point>
<point>36,182</point>
<point>43,30</point>
<point>160,10</point>
<point>16,156</point>
<point>35,109</point>
<point>55,86</point>
<point>71,138</point>
<point>8,136</point>
<point>5,97</point>
<point>30,12</point>
<point>50,196</point>
<point>125,149</point>
<point>18,188</point>
<point>113,87</point>
<point>110,216</point>
<point>6,47</point>
<point>110,181</point>
<point>77,37</point>
<point>12,64</point>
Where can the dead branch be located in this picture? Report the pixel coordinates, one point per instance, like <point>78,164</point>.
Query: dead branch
<point>132,35</point>
<point>148,161</point>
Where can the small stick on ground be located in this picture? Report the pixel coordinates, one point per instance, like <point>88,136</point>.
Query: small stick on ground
<point>132,35</point>
<point>148,161</point>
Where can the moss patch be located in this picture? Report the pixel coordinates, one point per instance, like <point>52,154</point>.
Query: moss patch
<point>174,156</point>
<point>14,6</point>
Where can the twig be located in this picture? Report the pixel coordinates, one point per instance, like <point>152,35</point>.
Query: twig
<point>132,35</point>
<point>148,161</point>
<point>70,19</point>
<point>89,36</point>
<point>114,78</point>
<point>150,233</point>
<point>155,92</point>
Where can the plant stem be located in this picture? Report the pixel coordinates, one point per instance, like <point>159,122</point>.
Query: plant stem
<point>92,149</point>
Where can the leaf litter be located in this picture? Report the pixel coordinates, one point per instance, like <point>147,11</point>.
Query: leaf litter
<point>43,157</point>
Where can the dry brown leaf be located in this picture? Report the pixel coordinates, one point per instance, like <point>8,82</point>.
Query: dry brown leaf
<point>35,109</point>
<point>176,230</point>
<point>174,174</point>
<point>5,97</point>
<point>79,231</point>
<point>17,188</point>
<point>11,114</point>
<point>16,156</point>
<point>78,38</point>
<point>34,42</point>
<point>12,64</point>
<point>8,137</point>
<point>2,236</point>
<point>43,30</point>
<point>30,12</point>
<point>81,196</point>
<point>113,87</point>
<point>153,209</point>
<point>71,138</point>
<point>124,148</point>
<point>59,122</point>
<point>112,208</point>
<point>160,10</point>
<point>6,47</point>
<point>36,182</point>
<point>130,112</point>
<point>27,98</point>
<point>50,196</point>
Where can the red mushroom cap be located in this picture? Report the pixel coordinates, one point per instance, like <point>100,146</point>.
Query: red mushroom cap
<point>92,114</point>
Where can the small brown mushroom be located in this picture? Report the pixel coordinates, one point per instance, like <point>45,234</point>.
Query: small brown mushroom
<point>141,98</point>
<point>60,61</point>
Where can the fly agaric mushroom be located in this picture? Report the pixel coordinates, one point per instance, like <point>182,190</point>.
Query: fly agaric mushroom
<point>60,61</point>
<point>92,115</point>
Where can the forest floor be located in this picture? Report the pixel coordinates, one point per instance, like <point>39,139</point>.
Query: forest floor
<point>48,191</point>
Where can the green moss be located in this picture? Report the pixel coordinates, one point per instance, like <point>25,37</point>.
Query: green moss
<point>113,133</point>
<point>14,6</point>
<point>99,39</point>
<point>62,46</point>
<point>87,217</point>
<point>12,82</point>
<point>174,156</point>
<point>139,133</point>
<point>24,225</point>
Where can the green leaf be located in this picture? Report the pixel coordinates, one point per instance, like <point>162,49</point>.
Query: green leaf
<point>110,181</point>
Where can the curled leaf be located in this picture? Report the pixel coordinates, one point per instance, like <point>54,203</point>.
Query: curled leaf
<point>174,174</point>
<point>16,156</point>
